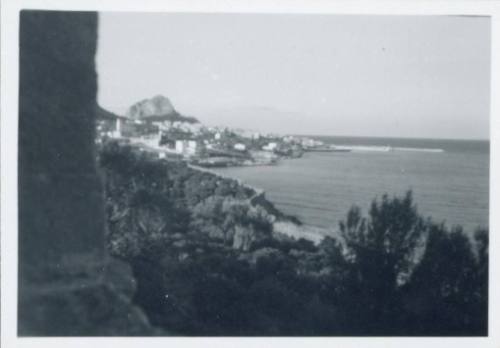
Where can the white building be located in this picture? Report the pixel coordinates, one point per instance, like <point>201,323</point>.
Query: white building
<point>311,143</point>
<point>192,146</point>
<point>240,147</point>
<point>270,147</point>
<point>186,147</point>
<point>117,129</point>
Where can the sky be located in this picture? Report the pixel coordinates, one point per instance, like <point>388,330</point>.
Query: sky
<point>385,76</point>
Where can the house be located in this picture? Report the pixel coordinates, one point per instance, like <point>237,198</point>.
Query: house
<point>240,147</point>
<point>171,136</point>
<point>186,147</point>
<point>270,146</point>
<point>110,124</point>
<point>307,143</point>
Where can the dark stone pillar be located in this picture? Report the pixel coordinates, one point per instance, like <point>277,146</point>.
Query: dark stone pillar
<point>65,287</point>
<point>60,197</point>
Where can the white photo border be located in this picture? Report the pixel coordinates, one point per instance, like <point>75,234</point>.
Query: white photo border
<point>9,139</point>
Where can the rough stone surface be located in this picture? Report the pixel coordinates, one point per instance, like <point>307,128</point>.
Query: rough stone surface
<point>158,105</point>
<point>58,186</point>
<point>67,284</point>
<point>84,306</point>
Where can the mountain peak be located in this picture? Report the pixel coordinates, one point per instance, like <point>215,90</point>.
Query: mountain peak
<point>160,97</point>
<point>156,106</point>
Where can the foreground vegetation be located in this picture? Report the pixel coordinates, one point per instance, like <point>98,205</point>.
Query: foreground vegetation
<point>207,261</point>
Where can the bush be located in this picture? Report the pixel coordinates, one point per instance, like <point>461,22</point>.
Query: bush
<point>234,222</point>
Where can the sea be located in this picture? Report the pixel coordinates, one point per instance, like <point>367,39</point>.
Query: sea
<point>449,179</point>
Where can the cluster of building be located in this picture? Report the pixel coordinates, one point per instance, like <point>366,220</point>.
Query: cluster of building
<point>206,146</point>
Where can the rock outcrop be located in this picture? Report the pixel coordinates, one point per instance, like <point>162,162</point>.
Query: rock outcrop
<point>158,108</point>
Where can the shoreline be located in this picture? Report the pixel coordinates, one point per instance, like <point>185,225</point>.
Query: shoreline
<point>401,169</point>
<point>284,224</point>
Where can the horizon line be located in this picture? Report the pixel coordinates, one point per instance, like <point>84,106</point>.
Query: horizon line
<point>390,137</point>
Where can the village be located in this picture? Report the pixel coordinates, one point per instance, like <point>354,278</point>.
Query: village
<point>172,136</point>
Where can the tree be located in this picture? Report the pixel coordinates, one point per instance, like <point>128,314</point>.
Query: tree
<point>448,289</point>
<point>482,244</point>
<point>142,220</point>
<point>381,251</point>
<point>231,220</point>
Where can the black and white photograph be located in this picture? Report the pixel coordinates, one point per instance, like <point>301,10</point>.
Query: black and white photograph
<point>249,174</point>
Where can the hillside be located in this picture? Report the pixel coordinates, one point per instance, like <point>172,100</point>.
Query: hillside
<point>103,114</point>
<point>209,261</point>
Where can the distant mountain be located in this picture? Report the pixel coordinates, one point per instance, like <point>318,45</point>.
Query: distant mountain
<point>158,108</point>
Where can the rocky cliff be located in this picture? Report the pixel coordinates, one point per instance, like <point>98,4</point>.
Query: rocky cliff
<point>158,108</point>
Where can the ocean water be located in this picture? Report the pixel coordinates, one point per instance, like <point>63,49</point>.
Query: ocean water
<point>319,188</point>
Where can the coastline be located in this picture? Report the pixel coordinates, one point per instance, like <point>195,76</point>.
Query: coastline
<point>335,181</point>
<point>326,226</point>
<point>287,225</point>
<point>193,188</point>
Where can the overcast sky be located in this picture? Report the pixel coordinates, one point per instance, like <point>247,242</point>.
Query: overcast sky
<point>398,76</point>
